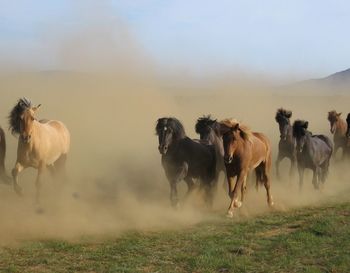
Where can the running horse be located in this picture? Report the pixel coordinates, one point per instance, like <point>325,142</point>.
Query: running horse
<point>313,152</point>
<point>185,159</point>
<point>209,131</point>
<point>41,144</point>
<point>286,145</point>
<point>338,129</point>
<point>244,151</point>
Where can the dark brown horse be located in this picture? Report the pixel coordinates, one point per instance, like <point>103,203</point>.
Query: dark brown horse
<point>185,159</point>
<point>338,129</point>
<point>3,176</point>
<point>244,150</point>
<point>348,136</point>
<point>287,144</point>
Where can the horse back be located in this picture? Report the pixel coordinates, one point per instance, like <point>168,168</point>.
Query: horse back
<point>261,147</point>
<point>326,140</point>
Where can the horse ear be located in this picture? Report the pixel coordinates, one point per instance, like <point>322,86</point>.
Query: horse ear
<point>306,124</point>
<point>35,108</point>
<point>289,114</point>
<point>338,114</point>
<point>236,127</point>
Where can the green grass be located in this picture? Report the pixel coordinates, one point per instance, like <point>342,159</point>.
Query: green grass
<point>314,239</point>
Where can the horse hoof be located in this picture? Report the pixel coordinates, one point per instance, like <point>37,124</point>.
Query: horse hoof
<point>271,204</point>
<point>229,214</point>
<point>238,204</point>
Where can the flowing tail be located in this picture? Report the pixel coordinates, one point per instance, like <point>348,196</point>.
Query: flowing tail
<point>3,176</point>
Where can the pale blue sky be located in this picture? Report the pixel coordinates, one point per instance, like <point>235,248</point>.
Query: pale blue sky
<point>271,36</point>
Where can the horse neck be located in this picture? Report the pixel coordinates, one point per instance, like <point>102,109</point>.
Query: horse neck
<point>217,142</point>
<point>341,127</point>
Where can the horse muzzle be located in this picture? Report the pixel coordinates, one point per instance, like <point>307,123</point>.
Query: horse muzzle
<point>162,149</point>
<point>26,139</point>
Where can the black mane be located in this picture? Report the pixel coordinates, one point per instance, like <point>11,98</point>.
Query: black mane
<point>203,122</point>
<point>300,127</point>
<point>15,114</point>
<point>283,113</point>
<point>174,124</point>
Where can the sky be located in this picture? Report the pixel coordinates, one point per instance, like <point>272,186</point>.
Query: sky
<point>296,38</point>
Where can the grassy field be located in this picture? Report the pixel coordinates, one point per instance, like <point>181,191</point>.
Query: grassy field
<point>313,239</point>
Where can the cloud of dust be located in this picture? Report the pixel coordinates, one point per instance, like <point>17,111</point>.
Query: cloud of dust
<point>110,100</point>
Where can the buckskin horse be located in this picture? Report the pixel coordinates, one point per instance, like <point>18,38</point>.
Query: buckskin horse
<point>243,151</point>
<point>40,144</point>
<point>185,159</point>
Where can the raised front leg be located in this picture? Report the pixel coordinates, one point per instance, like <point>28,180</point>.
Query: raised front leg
<point>241,180</point>
<point>15,171</point>
<point>174,176</point>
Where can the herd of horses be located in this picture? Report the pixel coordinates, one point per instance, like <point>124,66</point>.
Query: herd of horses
<point>224,146</point>
<point>230,146</point>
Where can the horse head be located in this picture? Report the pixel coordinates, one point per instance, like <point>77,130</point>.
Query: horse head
<point>283,119</point>
<point>333,118</point>
<point>300,132</point>
<point>169,130</point>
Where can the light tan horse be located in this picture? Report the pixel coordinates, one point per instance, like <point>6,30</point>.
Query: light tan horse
<point>244,151</point>
<point>41,144</point>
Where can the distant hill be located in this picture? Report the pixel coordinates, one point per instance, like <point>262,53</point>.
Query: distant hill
<point>334,84</point>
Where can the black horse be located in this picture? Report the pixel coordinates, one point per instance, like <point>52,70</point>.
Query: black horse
<point>287,144</point>
<point>313,152</point>
<point>347,148</point>
<point>209,131</point>
<point>185,159</point>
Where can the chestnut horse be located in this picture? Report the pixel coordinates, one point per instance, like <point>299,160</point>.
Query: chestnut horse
<point>243,151</point>
<point>41,144</point>
<point>338,129</point>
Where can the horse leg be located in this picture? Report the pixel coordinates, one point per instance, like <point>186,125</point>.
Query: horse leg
<point>243,190</point>
<point>301,177</point>
<point>60,167</point>
<point>241,178</point>
<point>266,180</point>
<point>15,171</point>
<point>279,159</point>
<point>314,177</point>
<point>190,186</point>
<point>292,167</point>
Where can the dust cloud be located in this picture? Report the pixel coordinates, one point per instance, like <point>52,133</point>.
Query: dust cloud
<point>109,96</point>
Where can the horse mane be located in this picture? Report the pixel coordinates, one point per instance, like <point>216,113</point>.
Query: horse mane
<point>348,118</point>
<point>244,130</point>
<point>172,123</point>
<point>203,122</point>
<point>299,127</point>
<point>281,112</point>
<point>14,117</point>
